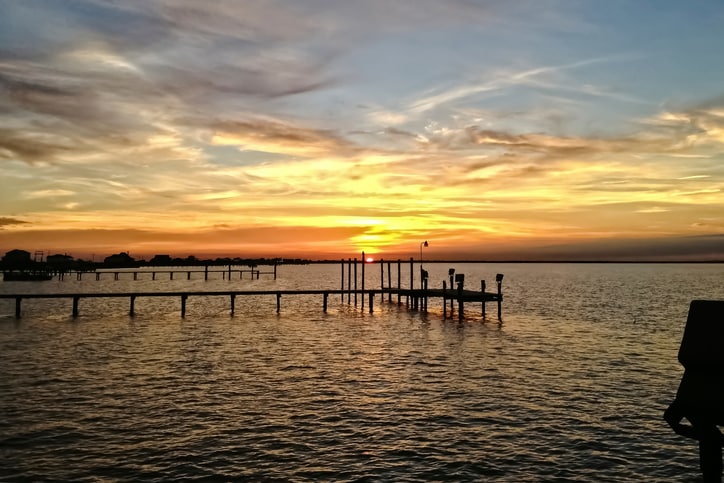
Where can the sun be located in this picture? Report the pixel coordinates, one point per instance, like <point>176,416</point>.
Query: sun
<point>369,259</point>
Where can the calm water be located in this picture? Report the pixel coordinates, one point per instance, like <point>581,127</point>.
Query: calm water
<point>571,387</point>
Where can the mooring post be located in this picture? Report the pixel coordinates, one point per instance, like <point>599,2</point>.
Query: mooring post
<point>131,312</point>
<point>206,272</point>
<point>75,305</point>
<point>233,304</point>
<point>355,282</point>
<point>135,275</point>
<point>98,276</point>
<point>399,280</point>
<point>279,302</point>
<point>424,295</point>
<point>183,305</point>
<point>153,275</point>
<point>461,280</point>
<point>349,280</point>
<point>372,298</point>
<point>341,287</point>
<point>382,278</point>
<point>170,275</point>
<point>18,303</point>
<point>115,275</point>
<point>499,281</point>
<point>389,282</point>
<point>324,303</point>
<point>444,300</point>
<point>188,275</point>
<point>412,270</point>
<point>229,272</point>
<point>364,262</point>
<point>482,292</point>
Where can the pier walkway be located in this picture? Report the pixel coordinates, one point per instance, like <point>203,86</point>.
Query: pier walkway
<point>415,299</point>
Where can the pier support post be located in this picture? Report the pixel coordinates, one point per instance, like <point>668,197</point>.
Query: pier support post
<point>115,275</point>
<point>135,275</point>
<point>153,275</point>
<point>75,305</point>
<point>460,301</point>
<point>499,282</point>
<point>188,275</point>
<point>412,271</point>
<point>183,305</point>
<point>349,281</point>
<point>279,302</point>
<point>444,300</point>
<point>324,303</point>
<point>98,276</point>
<point>233,304</point>
<point>355,282</point>
<point>206,272</point>
<point>341,287</point>
<point>362,282</point>
<point>389,282</point>
<point>132,312</point>
<point>372,298</point>
<point>275,271</point>
<point>170,275</point>
<point>482,292</point>
<point>399,280</point>
<point>18,303</point>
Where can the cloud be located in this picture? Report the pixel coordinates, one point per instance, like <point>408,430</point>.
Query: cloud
<point>5,221</point>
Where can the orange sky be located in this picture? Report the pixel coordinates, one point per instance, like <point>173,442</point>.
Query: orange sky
<point>287,129</point>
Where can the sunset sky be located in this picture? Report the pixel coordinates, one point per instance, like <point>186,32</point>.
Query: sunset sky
<point>319,129</point>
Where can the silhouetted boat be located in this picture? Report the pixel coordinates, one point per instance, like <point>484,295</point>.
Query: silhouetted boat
<point>20,276</point>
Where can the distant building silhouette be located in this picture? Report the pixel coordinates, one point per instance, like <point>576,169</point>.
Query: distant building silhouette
<point>120,260</point>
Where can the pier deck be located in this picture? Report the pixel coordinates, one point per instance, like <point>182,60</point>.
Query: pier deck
<point>415,298</point>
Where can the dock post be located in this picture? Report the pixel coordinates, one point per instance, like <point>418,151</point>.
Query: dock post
<point>499,281</point>
<point>355,282</point>
<point>349,280</point>
<point>183,305</point>
<point>115,275</point>
<point>389,282</point>
<point>362,295</point>
<point>372,298</point>
<point>206,272</point>
<point>98,276</point>
<point>135,275</point>
<point>229,272</point>
<point>341,287</point>
<point>412,270</point>
<point>460,301</point>
<point>399,280</point>
<point>482,292</point>
<point>170,275</point>
<point>324,303</point>
<point>75,305</point>
<point>382,277</point>
<point>275,270</point>
<point>279,302</point>
<point>424,295</point>
<point>18,303</point>
<point>233,304</point>
<point>153,275</point>
<point>188,275</point>
<point>444,300</point>
<point>131,312</point>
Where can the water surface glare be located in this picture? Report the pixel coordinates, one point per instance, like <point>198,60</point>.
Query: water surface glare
<point>571,387</point>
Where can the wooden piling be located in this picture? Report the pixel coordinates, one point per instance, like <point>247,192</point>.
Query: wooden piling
<point>399,280</point>
<point>188,275</point>
<point>153,275</point>
<point>341,287</point>
<point>499,282</point>
<point>324,303</point>
<point>349,281</point>
<point>183,305</point>
<point>233,304</point>
<point>279,302</point>
<point>482,292</point>
<point>372,298</point>
<point>364,262</point>
<point>460,301</point>
<point>75,305</point>
<point>444,299</point>
<point>18,303</point>
<point>131,311</point>
<point>355,282</point>
<point>389,282</point>
<point>206,272</point>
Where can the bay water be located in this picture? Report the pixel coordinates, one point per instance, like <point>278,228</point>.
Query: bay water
<point>571,386</point>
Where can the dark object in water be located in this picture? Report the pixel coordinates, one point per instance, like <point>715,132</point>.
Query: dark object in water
<point>20,276</point>
<point>700,397</point>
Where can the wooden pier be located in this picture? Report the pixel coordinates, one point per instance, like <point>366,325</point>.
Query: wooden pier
<point>226,273</point>
<point>414,298</point>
